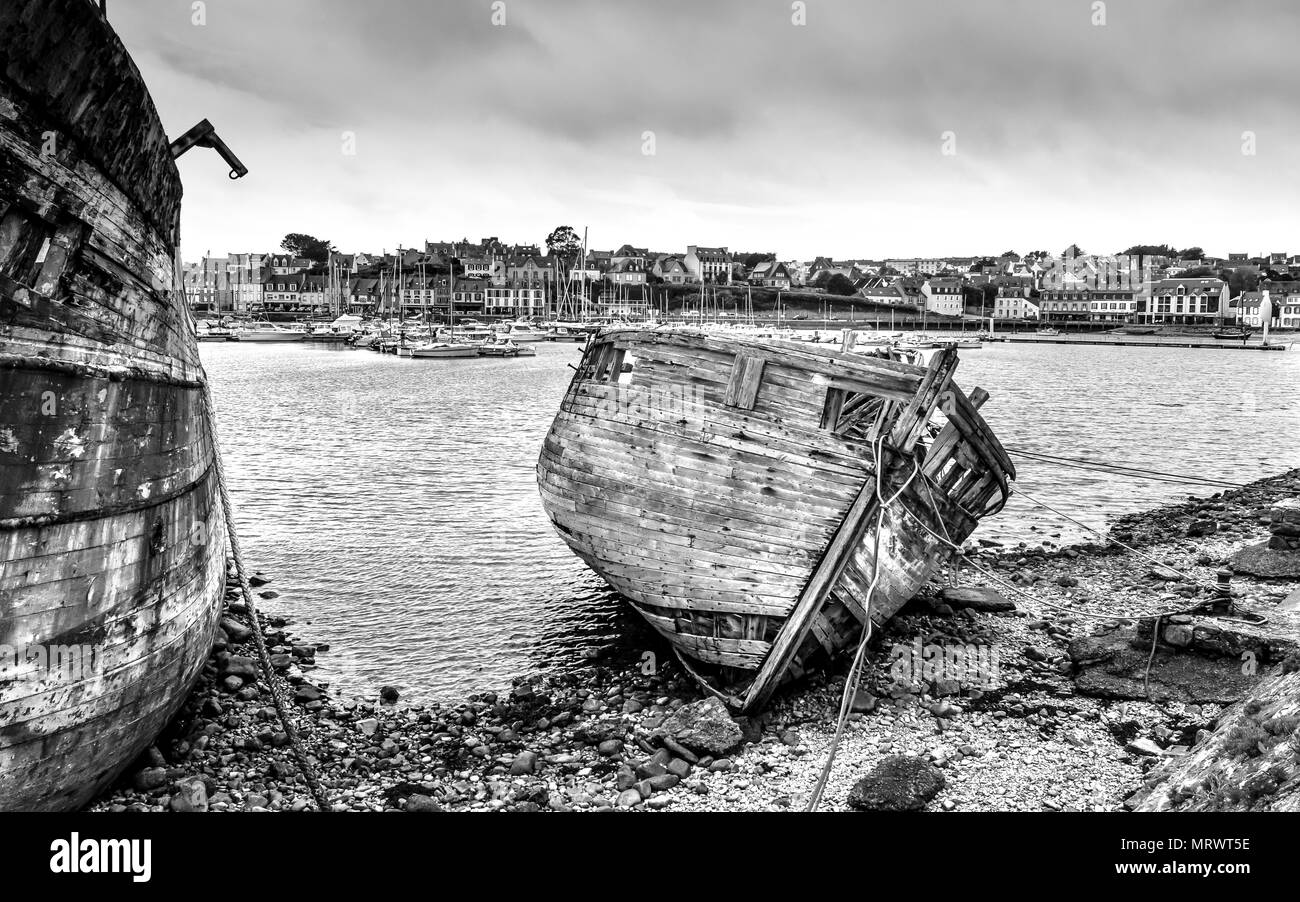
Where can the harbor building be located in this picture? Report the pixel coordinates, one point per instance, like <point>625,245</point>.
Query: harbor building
<point>944,296</point>
<point>1185,302</point>
<point>708,264</point>
<point>1013,303</point>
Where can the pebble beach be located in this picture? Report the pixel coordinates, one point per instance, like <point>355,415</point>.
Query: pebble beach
<point>629,733</point>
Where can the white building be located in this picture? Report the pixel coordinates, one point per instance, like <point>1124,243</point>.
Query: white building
<point>522,302</point>
<point>708,264</point>
<point>1014,306</point>
<point>1186,301</point>
<point>944,296</point>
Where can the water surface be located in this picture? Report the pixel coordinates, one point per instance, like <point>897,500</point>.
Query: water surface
<point>393,501</point>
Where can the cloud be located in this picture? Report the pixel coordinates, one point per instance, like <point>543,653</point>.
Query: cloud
<point>467,126</point>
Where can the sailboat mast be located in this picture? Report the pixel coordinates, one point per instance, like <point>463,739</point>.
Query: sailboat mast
<point>451,290</point>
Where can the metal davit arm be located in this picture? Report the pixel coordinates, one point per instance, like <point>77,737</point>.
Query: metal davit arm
<point>205,135</point>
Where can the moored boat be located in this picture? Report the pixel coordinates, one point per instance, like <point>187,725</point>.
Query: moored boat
<point>525,333</point>
<point>501,347</point>
<point>110,519</point>
<point>269,332</point>
<point>756,500</point>
<point>566,333</point>
<point>443,350</point>
<point>1232,334</point>
<point>918,342</point>
<point>962,344</point>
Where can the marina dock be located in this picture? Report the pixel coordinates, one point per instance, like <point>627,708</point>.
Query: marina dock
<point>1171,343</point>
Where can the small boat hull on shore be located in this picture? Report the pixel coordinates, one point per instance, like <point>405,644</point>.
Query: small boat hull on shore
<point>110,519</point>
<point>727,488</point>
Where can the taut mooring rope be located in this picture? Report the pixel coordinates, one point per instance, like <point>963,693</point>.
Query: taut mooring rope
<point>264,658</point>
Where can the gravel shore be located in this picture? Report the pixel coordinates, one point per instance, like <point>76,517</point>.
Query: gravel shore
<point>1015,735</point>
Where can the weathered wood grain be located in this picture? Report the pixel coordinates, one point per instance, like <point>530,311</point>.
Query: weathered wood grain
<point>110,523</point>
<point>727,489</point>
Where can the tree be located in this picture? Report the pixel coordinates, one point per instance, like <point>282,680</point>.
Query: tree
<point>1073,251</point>
<point>841,285</point>
<point>974,297</point>
<point>564,243</point>
<point>1240,279</point>
<point>1192,253</point>
<point>317,250</point>
<point>1151,250</point>
<point>1199,272</point>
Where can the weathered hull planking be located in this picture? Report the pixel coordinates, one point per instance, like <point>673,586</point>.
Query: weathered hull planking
<point>110,522</point>
<point>729,489</point>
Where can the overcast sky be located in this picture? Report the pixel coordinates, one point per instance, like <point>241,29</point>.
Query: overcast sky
<point>826,138</point>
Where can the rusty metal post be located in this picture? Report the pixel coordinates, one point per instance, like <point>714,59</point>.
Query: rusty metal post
<point>1223,590</point>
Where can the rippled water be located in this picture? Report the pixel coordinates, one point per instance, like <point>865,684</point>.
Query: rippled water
<point>393,502</point>
<point>1223,414</point>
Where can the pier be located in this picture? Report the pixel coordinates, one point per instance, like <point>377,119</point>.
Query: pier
<point>1170,343</point>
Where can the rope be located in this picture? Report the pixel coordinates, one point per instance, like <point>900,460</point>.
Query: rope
<point>1109,618</point>
<point>855,671</point>
<point>1139,472</point>
<point>264,658</point>
<point>1146,674</point>
<point>1021,492</point>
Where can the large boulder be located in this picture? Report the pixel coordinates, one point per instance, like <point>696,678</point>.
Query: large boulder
<point>242,667</point>
<point>191,796</point>
<point>977,598</point>
<point>236,631</point>
<point>899,783</point>
<point>705,727</point>
<point>422,804</point>
<point>1266,562</point>
<point>1114,664</point>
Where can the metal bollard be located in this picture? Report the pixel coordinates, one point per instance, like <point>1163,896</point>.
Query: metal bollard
<point>1223,590</point>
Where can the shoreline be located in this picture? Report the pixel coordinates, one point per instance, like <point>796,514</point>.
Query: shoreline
<point>632,734</point>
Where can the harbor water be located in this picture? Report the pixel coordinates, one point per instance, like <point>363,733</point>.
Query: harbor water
<point>393,501</point>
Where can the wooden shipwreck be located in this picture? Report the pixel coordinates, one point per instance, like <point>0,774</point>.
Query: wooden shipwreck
<point>731,489</point>
<point>111,544</point>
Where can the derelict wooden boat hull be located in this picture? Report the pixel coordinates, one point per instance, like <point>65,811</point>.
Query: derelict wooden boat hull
<point>727,488</point>
<point>110,522</point>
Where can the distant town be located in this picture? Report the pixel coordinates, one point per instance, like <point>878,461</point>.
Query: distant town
<point>1143,285</point>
